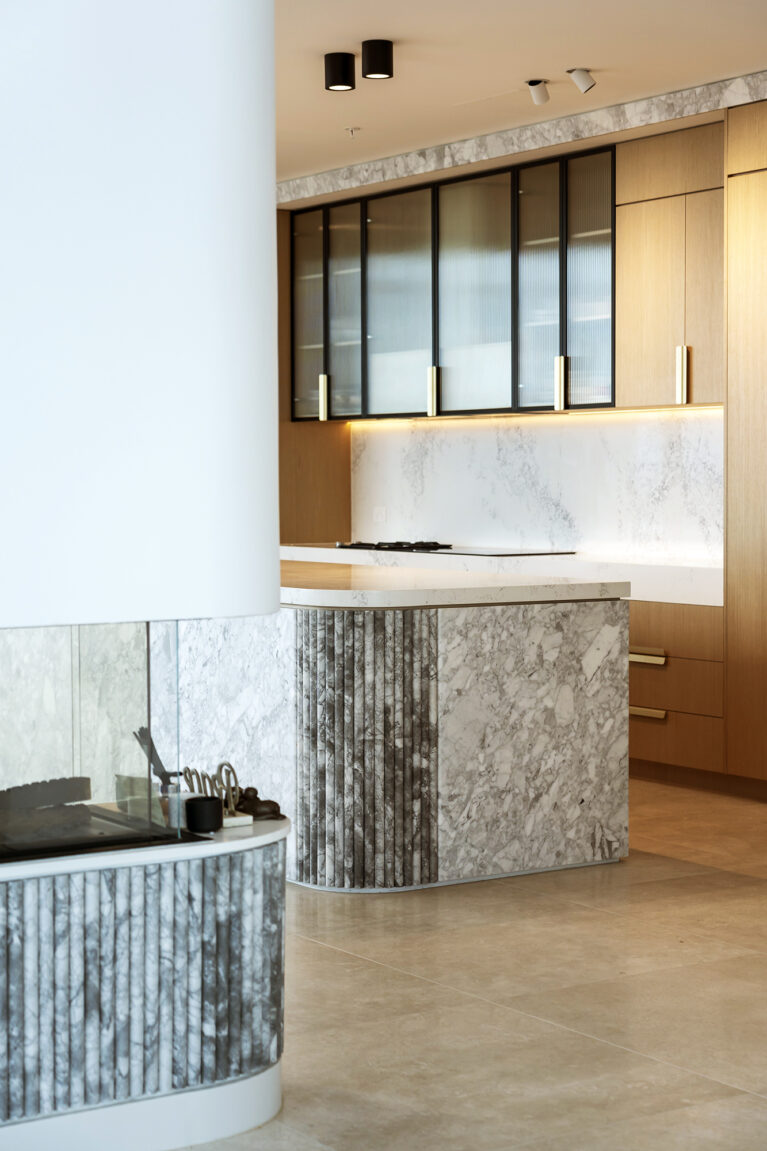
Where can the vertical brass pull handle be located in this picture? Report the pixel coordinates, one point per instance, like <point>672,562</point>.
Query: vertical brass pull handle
<point>432,373</point>
<point>682,361</point>
<point>560,372</point>
<point>323,397</point>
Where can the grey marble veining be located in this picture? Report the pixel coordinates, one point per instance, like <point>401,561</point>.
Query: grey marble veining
<point>366,765</point>
<point>515,142</point>
<point>35,704</point>
<point>533,737</point>
<point>129,983</point>
<point>236,702</point>
<point>648,484</point>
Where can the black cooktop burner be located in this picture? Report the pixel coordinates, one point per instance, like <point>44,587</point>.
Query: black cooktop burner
<point>397,546</point>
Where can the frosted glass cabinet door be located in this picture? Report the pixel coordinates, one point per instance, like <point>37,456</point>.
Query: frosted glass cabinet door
<point>538,327</point>
<point>475,294</point>
<point>344,358</point>
<point>308,326</point>
<point>399,308</point>
<point>589,279</point>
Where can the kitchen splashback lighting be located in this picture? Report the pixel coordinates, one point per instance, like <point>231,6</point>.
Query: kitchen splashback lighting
<point>339,72</point>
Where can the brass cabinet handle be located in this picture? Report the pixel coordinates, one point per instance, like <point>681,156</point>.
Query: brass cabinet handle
<point>657,659</point>
<point>431,390</point>
<point>323,397</point>
<point>682,360</point>
<point>560,371</point>
<point>648,712</point>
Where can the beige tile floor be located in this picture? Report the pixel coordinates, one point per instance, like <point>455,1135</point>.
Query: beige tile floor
<point>620,1007</point>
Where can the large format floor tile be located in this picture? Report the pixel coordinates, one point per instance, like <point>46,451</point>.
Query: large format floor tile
<point>622,1006</point>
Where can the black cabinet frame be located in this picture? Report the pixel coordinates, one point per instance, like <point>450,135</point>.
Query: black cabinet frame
<point>514,170</point>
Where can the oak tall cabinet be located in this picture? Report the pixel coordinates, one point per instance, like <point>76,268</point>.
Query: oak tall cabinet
<point>669,261</point>
<point>746,537</point>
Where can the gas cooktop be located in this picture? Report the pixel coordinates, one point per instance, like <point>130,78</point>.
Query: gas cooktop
<point>453,549</point>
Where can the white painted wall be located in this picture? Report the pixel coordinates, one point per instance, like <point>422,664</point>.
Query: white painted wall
<point>138,422</point>
<point>643,486</point>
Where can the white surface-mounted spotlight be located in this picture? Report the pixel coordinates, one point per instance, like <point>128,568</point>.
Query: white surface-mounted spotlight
<point>582,78</point>
<point>538,91</point>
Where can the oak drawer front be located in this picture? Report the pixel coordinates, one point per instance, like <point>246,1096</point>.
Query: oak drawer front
<point>684,740</point>
<point>690,685</point>
<point>690,631</point>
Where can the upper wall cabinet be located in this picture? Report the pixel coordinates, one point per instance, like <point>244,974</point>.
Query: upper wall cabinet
<point>670,164</point>
<point>669,305</point>
<point>488,294</point>
<point>747,138</point>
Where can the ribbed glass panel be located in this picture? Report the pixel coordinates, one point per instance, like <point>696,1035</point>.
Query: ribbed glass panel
<point>345,310</point>
<point>399,302</point>
<point>589,279</point>
<point>538,283</point>
<point>475,293</point>
<point>307,312</point>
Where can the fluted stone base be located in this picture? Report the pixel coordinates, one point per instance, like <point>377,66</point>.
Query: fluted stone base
<point>366,697</point>
<point>126,983</point>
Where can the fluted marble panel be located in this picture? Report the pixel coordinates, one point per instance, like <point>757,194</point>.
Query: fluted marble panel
<point>533,737</point>
<point>529,137</point>
<point>648,484</point>
<point>366,709</point>
<point>132,982</point>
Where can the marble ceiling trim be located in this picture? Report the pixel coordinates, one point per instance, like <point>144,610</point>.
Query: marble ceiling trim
<point>529,137</point>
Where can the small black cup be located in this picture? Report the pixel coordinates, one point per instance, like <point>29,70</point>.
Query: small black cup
<point>204,813</point>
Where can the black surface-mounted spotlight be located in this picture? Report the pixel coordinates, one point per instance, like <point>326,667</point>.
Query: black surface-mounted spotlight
<point>339,72</point>
<point>377,59</point>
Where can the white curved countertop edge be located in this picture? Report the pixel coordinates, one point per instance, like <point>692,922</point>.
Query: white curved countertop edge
<point>472,595</point>
<point>225,842</point>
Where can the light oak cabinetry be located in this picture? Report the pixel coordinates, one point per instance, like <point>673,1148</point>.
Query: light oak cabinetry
<point>747,138</point>
<point>669,253</point>
<point>746,536</point>
<point>670,164</point>
<point>676,685</point>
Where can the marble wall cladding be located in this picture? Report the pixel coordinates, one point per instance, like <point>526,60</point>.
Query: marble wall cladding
<point>366,696</point>
<point>112,703</point>
<point>644,485</point>
<point>515,142</point>
<point>127,983</point>
<point>36,729</point>
<point>236,701</point>
<point>533,737</point>
<point>163,691</point>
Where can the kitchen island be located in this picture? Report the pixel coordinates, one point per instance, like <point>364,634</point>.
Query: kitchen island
<point>449,726</point>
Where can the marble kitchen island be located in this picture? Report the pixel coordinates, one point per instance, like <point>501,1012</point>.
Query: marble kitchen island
<point>449,726</point>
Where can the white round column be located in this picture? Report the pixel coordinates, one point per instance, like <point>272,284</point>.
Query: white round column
<point>138,428</point>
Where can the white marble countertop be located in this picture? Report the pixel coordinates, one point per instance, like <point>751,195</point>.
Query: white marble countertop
<point>225,842</point>
<point>359,586</point>
<point>672,580</point>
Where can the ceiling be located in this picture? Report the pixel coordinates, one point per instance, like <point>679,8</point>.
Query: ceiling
<point>461,66</point>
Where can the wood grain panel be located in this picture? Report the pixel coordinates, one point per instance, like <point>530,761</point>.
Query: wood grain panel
<point>746,538</point>
<point>704,780</point>
<point>690,631</point>
<point>704,303</point>
<point>315,458</point>
<point>747,138</point>
<point>670,164</point>
<point>688,740</point>
<point>649,300</point>
<point>692,685</point>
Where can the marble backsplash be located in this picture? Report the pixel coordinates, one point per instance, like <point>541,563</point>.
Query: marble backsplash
<point>625,485</point>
